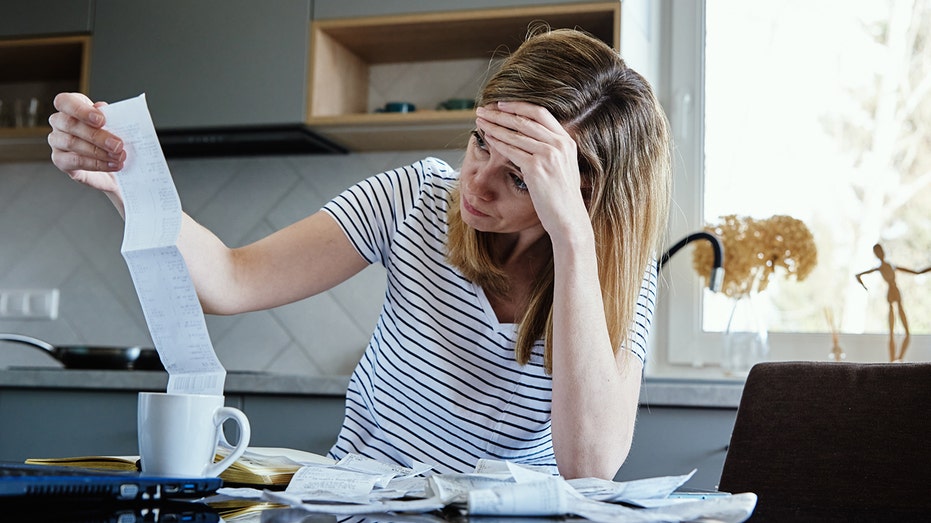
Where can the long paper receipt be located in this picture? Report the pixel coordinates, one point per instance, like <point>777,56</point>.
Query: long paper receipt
<point>160,275</point>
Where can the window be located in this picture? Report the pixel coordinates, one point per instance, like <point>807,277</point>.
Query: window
<point>816,109</point>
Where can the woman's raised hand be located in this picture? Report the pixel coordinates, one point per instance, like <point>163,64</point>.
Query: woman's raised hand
<point>81,147</point>
<point>534,141</point>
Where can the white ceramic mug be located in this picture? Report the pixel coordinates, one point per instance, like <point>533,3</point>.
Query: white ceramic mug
<point>179,434</point>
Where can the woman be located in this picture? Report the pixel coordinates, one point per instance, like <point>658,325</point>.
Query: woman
<point>519,289</point>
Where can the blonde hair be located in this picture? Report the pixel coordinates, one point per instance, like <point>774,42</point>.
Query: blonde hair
<point>624,158</point>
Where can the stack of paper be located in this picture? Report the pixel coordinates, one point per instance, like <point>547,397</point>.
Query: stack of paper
<point>358,486</point>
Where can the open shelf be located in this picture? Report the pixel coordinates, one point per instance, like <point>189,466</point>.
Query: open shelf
<point>344,51</point>
<point>422,129</point>
<point>36,69</point>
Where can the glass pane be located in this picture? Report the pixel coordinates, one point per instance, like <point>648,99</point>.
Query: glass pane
<point>821,110</point>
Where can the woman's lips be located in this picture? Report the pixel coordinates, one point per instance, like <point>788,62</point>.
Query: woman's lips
<point>472,210</point>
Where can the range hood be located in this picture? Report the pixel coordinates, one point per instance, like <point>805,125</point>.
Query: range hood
<point>253,140</point>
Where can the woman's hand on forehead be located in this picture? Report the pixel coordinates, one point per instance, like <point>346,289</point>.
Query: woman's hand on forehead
<point>523,119</point>
<point>536,143</point>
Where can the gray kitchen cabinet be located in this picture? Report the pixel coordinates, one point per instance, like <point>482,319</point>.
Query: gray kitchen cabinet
<point>325,9</point>
<point>208,63</point>
<point>57,423</point>
<point>20,18</point>
<point>67,422</point>
<point>670,441</point>
<point>308,423</point>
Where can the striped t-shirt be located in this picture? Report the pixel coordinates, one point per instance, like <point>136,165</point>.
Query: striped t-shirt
<point>438,382</point>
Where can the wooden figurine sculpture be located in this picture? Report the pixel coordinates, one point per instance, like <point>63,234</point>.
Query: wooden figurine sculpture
<point>894,297</point>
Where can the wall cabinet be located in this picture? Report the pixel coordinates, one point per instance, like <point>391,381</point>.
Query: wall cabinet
<point>208,63</point>
<point>344,52</point>
<point>45,17</point>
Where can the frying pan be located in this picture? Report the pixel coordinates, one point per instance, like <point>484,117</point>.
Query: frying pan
<point>90,357</point>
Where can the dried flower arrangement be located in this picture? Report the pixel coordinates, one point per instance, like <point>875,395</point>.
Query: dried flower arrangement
<point>754,249</point>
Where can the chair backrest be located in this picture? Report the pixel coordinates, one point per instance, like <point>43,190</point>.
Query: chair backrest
<point>823,441</point>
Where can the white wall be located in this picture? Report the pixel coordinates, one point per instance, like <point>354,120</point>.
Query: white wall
<point>55,233</point>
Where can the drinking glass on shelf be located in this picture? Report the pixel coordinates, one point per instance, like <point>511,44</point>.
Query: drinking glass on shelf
<point>32,112</point>
<point>19,113</point>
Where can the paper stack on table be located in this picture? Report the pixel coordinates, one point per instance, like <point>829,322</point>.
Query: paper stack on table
<point>356,486</point>
<point>153,222</point>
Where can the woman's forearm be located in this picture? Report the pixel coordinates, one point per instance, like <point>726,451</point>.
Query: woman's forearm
<point>301,260</point>
<point>209,261</point>
<point>595,392</point>
<point>212,267</point>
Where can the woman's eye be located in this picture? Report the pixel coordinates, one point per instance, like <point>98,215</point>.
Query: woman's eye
<point>518,182</point>
<point>479,141</point>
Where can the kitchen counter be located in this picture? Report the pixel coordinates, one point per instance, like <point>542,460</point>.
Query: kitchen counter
<point>117,380</point>
<point>678,392</point>
<point>690,392</point>
<point>682,424</point>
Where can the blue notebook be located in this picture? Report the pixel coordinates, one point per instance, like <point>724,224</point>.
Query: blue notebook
<point>28,481</point>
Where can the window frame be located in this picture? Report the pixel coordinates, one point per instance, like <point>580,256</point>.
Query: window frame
<point>679,344</point>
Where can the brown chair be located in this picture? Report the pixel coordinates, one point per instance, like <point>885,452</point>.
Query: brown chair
<point>824,441</point>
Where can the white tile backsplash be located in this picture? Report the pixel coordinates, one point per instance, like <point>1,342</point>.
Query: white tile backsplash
<point>57,233</point>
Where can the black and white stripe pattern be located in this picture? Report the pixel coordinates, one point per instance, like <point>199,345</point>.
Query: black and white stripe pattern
<point>438,382</point>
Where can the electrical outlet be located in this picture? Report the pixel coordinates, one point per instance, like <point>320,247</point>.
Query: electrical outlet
<point>29,304</point>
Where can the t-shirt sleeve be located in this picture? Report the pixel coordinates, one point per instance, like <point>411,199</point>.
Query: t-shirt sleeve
<point>371,211</point>
<point>643,314</point>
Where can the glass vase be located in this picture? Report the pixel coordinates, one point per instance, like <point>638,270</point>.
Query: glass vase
<point>746,337</point>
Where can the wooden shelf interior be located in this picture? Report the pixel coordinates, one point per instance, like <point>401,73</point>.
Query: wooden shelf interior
<point>37,68</point>
<point>45,60</point>
<point>399,131</point>
<point>344,50</point>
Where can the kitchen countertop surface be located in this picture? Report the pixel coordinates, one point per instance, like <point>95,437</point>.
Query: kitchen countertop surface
<point>682,392</point>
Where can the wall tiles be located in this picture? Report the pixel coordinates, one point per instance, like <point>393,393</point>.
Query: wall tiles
<point>57,233</point>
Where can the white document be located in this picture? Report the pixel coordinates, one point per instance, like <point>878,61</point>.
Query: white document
<point>384,472</point>
<point>163,284</point>
<point>556,497</point>
<point>549,497</point>
<point>347,509</point>
<point>510,491</point>
<point>492,466</point>
<point>725,509</point>
<point>629,491</point>
<point>322,483</point>
<point>455,488</point>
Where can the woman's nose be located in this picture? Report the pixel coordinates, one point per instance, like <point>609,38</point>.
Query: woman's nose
<point>480,184</point>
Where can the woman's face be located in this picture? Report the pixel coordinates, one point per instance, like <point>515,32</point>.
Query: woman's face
<point>493,197</point>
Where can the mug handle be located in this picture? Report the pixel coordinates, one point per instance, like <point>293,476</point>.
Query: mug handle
<point>245,433</point>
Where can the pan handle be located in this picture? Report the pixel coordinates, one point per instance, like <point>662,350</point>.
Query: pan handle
<point>28,340</point>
